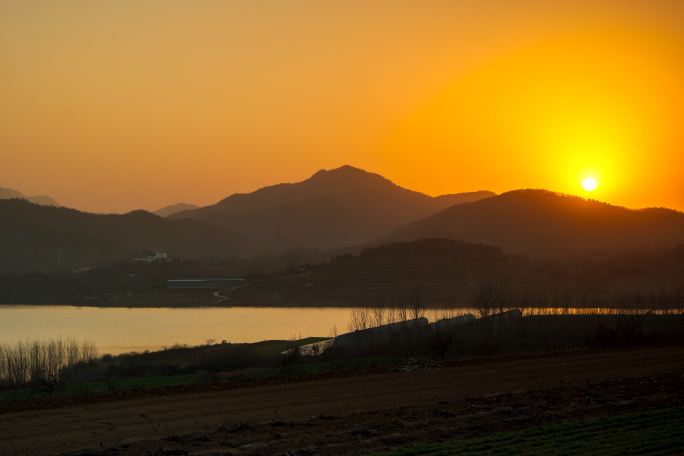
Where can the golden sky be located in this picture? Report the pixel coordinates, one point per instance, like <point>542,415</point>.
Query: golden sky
<point>121,104</point>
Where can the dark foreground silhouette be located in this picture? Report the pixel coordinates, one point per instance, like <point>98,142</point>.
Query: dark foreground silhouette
<point>370,412</point>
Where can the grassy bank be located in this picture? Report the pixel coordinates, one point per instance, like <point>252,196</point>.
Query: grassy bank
<point>186,367</point>
<point>383,348</point>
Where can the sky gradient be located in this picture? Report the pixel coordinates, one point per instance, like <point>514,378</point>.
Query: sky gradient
<point>118,105</point>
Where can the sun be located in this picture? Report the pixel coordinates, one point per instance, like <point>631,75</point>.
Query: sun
<point>589,184</point>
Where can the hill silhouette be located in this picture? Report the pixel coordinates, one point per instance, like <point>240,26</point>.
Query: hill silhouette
<point>543,223</point>
<point>331,209</point>
<point>446,272</point>
<point>43,200</point>
<point>386,275</point>
<point>174,209</point>
<point>42,237</point>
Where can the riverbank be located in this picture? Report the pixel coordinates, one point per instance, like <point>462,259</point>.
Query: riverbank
<point>116,330</point>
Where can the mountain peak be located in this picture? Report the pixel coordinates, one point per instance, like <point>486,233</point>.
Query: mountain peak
<point>333,208</point>
<point>342,171</point>
<point>174,209</point>
<point>141,213</point>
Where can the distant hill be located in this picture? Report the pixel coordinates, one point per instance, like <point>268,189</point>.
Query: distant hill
<point>174,209</point>
<point>34,237</point>
<point>445,272</point>
<point>43,200</point>
<point>462,198</point>
<point>331,209</point>
<point>444,269</point>
<point>543,223</point>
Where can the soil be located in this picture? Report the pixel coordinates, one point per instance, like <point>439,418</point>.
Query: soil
<point>348,415</point>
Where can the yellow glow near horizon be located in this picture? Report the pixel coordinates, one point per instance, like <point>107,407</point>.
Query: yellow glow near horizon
<point>589,184</point>
<point>112,106</point>
<point>538,115</point>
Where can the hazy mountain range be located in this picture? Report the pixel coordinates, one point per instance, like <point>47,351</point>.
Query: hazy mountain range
<point>174,209</point>
<point>41,238</point>
<point>543,223</point>
<point>43,200</point>
<point>340,207</point>
<point>333,210</point>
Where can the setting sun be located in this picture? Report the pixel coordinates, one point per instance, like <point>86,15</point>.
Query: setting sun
<point>491,187</point>
<point>589,184</point>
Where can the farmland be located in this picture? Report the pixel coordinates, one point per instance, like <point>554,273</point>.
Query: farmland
<point>394,411</point>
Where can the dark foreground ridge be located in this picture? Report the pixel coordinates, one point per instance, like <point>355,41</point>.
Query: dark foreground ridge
<point>343,416</point>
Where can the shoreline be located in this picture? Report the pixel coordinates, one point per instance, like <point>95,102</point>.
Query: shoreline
<point>529,309</point>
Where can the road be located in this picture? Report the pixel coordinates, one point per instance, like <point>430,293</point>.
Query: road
<point>114,423</point>
<point>220,298</point>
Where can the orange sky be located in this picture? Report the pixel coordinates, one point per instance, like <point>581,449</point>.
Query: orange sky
<point>115,105</point>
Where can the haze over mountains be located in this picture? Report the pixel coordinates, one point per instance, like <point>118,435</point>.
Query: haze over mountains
<point>174,209</point>
<point>43,200</point>
<point>333,210</point>
<point>42,238</point>
<point>336,208</point>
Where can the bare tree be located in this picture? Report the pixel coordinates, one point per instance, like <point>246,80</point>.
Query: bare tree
<point>417,309</point>
<point>378,316</point>
<point>41,362</point>
<point>360,319</point>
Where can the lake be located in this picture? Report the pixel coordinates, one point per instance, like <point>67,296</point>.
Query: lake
<point>118,330</point>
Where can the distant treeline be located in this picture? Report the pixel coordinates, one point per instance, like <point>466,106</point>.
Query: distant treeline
<point>105,284</point>
<point>448,274</point>
<point>451,273</point>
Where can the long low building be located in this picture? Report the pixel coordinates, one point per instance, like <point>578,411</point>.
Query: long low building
<point>202,283</point>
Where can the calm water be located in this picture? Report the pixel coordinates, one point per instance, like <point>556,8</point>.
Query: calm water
<point>117,330</point>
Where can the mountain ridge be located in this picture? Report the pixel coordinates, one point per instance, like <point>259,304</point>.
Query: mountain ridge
<point>43,200</point>
<point>333,208</point>
<point>171,209</point>
<point>545,223</point>
<point>45,237</point>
